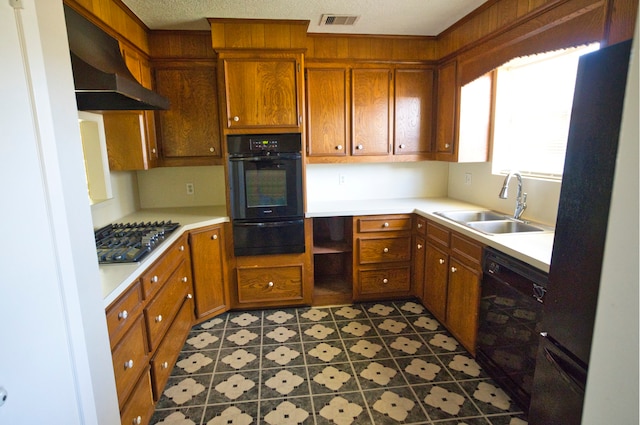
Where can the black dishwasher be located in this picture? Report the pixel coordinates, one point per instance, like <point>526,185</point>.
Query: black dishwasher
<point>510,317</point>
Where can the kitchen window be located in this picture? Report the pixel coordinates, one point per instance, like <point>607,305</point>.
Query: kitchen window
<point>534,96</point>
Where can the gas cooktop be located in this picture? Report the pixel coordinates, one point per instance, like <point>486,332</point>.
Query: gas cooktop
<point>130,242</point>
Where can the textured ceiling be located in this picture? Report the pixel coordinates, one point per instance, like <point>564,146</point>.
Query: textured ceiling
<point>390,17</point>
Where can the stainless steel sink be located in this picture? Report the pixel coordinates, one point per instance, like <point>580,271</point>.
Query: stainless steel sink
<point>490,222</point>
<point>467,216</point>
<point>503,226</point>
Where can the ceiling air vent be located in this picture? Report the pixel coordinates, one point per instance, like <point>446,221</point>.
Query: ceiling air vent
<point>338,19</point>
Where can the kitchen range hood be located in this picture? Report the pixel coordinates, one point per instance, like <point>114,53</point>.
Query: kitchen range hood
<point>102,80</point>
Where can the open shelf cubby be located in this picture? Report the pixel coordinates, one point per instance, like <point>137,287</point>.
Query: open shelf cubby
<point>332,256</point>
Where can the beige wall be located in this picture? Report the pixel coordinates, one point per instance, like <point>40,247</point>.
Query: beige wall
<point>124,201</point>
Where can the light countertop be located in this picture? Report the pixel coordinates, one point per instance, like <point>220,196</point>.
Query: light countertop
<point>532,248</point>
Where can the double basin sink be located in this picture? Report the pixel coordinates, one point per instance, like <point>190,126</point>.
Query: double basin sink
<point>490,222</point>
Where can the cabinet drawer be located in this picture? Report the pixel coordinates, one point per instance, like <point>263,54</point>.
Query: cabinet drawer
<point>467,251</point>
<point>140,406</point>
<point>383,224</point>
<point>163,308</point>
<point>391,280</point>
<point>168,350</point>
<point>122,312</point>
<point>270,283</point>
<point>129,359</point>
<point>420,225</point>
<point>157,274</point>
<point>438,234</point>
<point>384,250</point>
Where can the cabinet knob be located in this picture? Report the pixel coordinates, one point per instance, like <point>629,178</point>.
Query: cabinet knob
<point>236,118</point>
<point>164,365</point>
<point>385,250</point>
<point>153,151</point>
<point>419,225</point>
<point>419,246</point>
<point>181,248</point>
<point>453,269</point>
<point>184,279</point>
<point>159,318</point>
<point>212,149</point>
<point>385,280</point>
<point>385,224</point>
<point>123,314</point>
<point>359,147</point>
<point>270,284</point>
<point>446,145</point>
<point>189,296</point>
<point>129,364</point>
<point>441,261</point>
<point>339,147</point>
<point>214,237</point>
<point>154,279</point>
<point>401,146</point>
<point>137,420</point>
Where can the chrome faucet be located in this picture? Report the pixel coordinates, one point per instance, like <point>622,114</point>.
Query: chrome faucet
<point>521,198</point>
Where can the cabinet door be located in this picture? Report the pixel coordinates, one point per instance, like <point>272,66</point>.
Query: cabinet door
<point>130,143</point>
<point>419,258</point>
<point>327,117</point>
<point>463,298</point>
<point>262,92</point>
<point>191,128</point>
<point>413,111</point>
<point>435,285</point>
<point>371,111</point>
<point>446,113</point>
<point>207,259</point>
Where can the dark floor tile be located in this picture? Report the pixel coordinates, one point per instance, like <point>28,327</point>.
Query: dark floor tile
<point>284,317</point>
<point>361,328</point>
<point>291,410</point>
<point>325,352</point>
<point>392,326</point>
<point>195,362</point>
<point>445,401</point>
<point>378,374</point>
<point>178,416</point>
<point>332,378</point>
<point>314,315</point>
<point>381,309</point>
<point>236,413</point>
<point>511,419</point>
<point>238,359</point>
<point>203,340</point>
<point>184,391</point>
<point>234,387</point>
<point>242,337</point>
<point>366,349</point>
<point>244,319</point>
<point>406,345</point>
<point>348,312</point>
<point>284,382</point>
<point>281,334</point>
<point>342,408</point>
<point>462,366</point>
<point>489,397</point>
<point>395,406</point>
<point>467,421</point>
<point>321,331</point>
<point>282,355</point>
<point>423,370</point>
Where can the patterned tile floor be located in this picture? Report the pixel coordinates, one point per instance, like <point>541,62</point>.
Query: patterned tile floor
<point>375,363</point>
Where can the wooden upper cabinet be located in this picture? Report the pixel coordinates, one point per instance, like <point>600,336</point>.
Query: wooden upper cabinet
<point>413,111</point>
<point>189,132</point>
<point>263,91</point>
<point>327,113</point>
<point>446,112</point>
<point>372,106</point>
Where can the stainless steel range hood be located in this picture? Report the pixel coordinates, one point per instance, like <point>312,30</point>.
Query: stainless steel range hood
<point>102,80</point>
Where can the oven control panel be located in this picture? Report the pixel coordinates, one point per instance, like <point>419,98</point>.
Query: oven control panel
<point>263,144</point>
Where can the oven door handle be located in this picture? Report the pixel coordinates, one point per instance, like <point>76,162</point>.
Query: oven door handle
<point>258,158</point>
<point>268,223</point>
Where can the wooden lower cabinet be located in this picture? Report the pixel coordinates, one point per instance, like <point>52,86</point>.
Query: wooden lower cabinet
<point>452,276</point>
<point>382,257</point>
<point>209,266</point>
<point>148,325</point>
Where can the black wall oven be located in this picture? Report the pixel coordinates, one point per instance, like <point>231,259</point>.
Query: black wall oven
<point>266,193</point>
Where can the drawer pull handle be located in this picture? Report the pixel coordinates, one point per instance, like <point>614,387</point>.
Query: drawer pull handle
<point>385,224</point>
<point>441,261</point>
<point>164,365</point>
<point>419,246</point>
<point>181,248</point>
<point>184,279</point>
<point>128,365</point>
<point>123,314</point>
<point>385,250</point>
<point>154,279</point>
<point>339,147</point>
<point>453,269</point>
<point>270,284</point>
<point>385,280</point>
<point>137,421</point>
<point>214,237</point>
<point>159,318</point>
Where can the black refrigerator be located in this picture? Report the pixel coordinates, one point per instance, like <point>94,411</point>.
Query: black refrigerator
<point>576,261</point>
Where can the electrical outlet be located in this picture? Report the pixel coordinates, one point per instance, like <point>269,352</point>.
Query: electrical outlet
<point>341,179</point>
<point>467,179</point>
<point>190,189</point>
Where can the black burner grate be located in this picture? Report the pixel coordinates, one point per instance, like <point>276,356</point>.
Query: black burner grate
<point>130,242</point>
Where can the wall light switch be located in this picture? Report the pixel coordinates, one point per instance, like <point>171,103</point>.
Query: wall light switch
<point>467,179</point>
